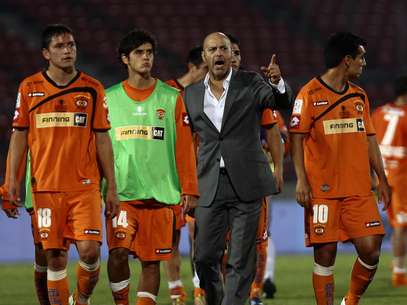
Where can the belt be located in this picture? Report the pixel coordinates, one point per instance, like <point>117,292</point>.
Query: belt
<point>222,171</point>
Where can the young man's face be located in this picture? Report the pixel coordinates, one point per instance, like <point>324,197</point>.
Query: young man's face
<point>217,55</point>
<point>236,58</point>
<point>356,65</point>
<point>141,59</point>
<point>199,72</point>
<point>61,52</point>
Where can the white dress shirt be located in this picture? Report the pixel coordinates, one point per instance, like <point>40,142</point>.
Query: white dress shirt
<point>214,107</point>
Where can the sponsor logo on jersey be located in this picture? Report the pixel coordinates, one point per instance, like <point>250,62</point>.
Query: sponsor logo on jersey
<point>140,132</point>
<point>61,119</point>
<point>160,113</point>
<point>86,181</point>
<point>295,121</point>
<point>371,224</point>
<point>359,106</point>
<point>185,119</point>
<point>320,103</point>
<point>319,229</point>
<point>338,126</point>
<point>140,111</point>
<point>81,101</point>
<point>35,94</point>
<point>60,106</point>
<point>120,235</point>
<point>44,235</point>
<point>401,217</point>
<point>163,251</point>
<point>91,232</point>
<point>297,106</point>
<point>325,188</point>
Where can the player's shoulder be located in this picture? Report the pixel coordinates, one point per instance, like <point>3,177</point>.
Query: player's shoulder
<point>32,79</point>
<point>357,89</point>
<point>89,81</point>
<point>114,88</point>
<point>312,87</point>
<point>167,88</point>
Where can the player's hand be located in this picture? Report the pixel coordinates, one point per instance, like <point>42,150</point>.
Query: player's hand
<point>278,176</point>
<point>272,71</point>
<point>112,203</point>
<point>303,193</point>
<point>189,203</point>
<point>384,194</point>
<point>10,209</point>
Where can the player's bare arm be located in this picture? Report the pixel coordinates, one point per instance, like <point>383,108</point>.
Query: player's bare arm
<point>105,158</point>
<point>376,162</point>
<point>276,148</point>
<point>18,146</point>
<point>303,189</point>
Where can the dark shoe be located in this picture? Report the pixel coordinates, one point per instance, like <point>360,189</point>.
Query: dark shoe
<point>269,289</point>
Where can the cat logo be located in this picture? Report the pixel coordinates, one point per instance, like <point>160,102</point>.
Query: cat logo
<point>81,101</point>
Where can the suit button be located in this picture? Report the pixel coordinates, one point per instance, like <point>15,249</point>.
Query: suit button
<point>220,138</point>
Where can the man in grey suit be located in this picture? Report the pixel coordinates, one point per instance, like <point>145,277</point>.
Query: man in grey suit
<point>224,111</point>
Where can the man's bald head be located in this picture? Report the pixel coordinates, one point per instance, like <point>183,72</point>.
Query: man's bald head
<point>215,35</point>
<point>217,55</point>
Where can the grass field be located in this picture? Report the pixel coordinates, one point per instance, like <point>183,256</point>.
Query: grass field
<point>293,278</point>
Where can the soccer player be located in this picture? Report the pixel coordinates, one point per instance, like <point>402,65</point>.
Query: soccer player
<point>62,118</point>
<point>333,149</point>
<point>156,168</point>
<point>196,71</point>
<point>11,210</point>
<point>272,142</point>
<point>390,122</point>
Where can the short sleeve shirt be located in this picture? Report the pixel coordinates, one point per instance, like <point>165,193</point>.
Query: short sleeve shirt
<point>336,126</point>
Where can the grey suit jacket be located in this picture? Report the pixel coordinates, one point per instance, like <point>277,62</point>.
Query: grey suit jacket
<point>238,142</point>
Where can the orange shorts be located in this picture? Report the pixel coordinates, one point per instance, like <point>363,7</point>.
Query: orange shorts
<point>66,216</point>
<point>34,227</point>
<point>145,229</point>
<point>180,220</point>
<point>262,228</point>
<point>397,211</point>
<point>342,219</point>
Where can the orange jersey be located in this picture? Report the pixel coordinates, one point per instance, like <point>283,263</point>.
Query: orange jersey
<point>61,123</point>
<point>390,122</point>
<point>336,126</point>
<point>175,84</point>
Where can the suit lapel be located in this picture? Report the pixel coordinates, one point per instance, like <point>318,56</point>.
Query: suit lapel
<point>230,98</point>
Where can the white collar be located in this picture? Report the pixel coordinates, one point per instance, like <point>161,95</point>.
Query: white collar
<point>225,81</point>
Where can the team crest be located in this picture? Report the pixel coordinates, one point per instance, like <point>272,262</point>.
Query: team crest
<point>160,113</point>
<point>81,101</point>
<point>359,106</point>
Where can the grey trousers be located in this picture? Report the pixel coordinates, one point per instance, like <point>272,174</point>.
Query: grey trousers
<point>212,224</point>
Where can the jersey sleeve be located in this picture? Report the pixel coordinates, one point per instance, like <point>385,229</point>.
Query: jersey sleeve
<point>21,119</point>
<point>101,117</point>
<point>301,117</point>
<point>370,131</point>
<point>184,151</point>
<point>268,118</point>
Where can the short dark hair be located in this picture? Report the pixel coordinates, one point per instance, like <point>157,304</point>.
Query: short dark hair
<point>233,39</point>
<point>133,40</point>
<point>195,56</point>
<point>400,85</point>
<point>52,30</point>
<point>340,45</point>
